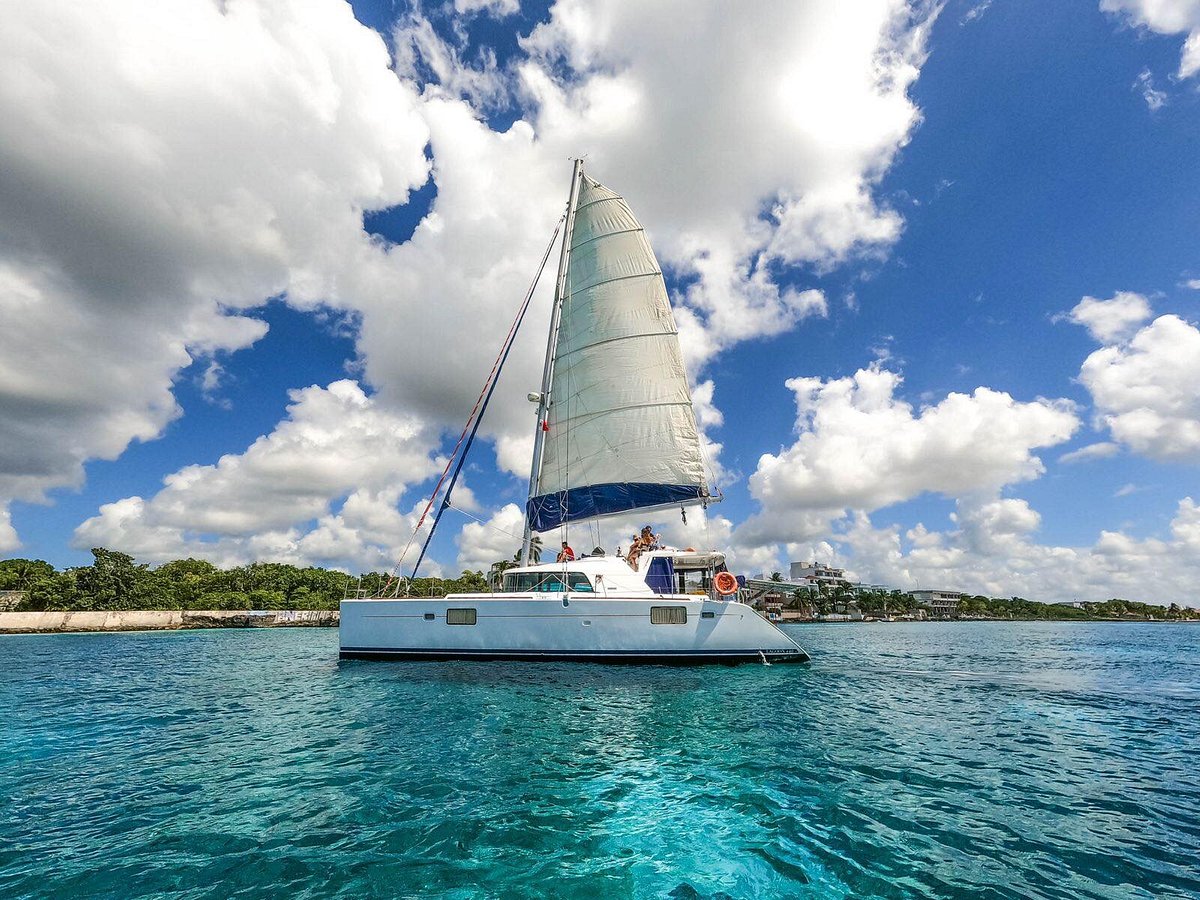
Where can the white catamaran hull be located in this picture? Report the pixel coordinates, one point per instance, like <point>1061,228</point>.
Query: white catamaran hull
<point>554,627</point>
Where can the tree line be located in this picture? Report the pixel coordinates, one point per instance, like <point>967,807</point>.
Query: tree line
<point>115,581</point>
<point>896,602</point>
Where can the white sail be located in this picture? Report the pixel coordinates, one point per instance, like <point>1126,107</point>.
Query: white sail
<point>621,430</point>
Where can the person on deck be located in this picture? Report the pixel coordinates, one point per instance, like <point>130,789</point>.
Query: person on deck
<point>566,554</point>
<point>647,540</point>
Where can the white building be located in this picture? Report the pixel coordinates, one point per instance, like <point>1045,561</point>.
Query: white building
<point>817,573</point>
<point>939,603</point>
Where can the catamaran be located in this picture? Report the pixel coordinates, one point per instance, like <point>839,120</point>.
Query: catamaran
<point>616,434</point>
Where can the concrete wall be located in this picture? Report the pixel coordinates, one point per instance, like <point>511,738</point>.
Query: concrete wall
<point>161,619</point>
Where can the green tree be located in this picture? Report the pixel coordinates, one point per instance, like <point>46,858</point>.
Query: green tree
<point>22,574</point>
<point>114,581</point>
<point>495,574</point>
<point>535,551</point>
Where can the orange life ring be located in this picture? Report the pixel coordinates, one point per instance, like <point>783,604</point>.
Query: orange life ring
<point>725,584</point>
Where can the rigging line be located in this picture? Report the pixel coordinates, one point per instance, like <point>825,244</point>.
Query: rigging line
<point>459,509</point>
<point>480,405</point>
<point>486,394</point>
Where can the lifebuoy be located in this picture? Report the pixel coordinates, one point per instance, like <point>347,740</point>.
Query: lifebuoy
<point>725,584</point>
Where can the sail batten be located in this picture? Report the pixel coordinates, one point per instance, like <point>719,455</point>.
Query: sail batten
<point>620,431</point>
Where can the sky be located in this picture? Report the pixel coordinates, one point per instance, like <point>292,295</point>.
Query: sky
<point>934,265</point>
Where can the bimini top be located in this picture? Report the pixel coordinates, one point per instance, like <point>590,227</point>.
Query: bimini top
<point>620,432</point>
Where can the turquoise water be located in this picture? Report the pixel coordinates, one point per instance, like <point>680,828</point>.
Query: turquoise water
<point>980,760</point>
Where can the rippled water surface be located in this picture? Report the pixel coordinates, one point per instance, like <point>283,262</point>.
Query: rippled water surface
<point>979,760</point>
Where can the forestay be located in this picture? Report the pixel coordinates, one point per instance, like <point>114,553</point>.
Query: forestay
<point>621,429</point>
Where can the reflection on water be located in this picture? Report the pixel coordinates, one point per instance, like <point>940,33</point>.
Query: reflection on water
<point>975,759</point>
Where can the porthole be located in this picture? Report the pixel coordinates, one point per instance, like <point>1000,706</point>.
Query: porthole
<point>668,615</point>
<point>460,617</point>
<point>707,615</point>
<point>429,617</point>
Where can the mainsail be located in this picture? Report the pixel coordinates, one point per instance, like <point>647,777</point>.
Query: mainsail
<point>619,432</point>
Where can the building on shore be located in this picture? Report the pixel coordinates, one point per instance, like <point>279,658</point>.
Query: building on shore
<point>939,603</point>
<point>775,598</point>
<point>817,573</point>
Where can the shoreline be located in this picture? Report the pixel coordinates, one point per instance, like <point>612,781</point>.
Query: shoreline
<point>64,622</point>
<point>114,621</point>
<point>1095,621</point>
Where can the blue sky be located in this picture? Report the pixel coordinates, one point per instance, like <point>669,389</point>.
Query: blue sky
<point>905,210</point>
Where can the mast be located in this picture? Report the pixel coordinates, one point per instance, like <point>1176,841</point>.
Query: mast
<point>543,397</point>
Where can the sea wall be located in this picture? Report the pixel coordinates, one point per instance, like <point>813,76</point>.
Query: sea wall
<point>162,620</point>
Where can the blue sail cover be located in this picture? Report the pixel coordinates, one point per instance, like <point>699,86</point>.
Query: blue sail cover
<point>551,510</point>
<point>620,432</point>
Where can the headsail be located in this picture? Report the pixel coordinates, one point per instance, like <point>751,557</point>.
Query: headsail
<point>621,433</point>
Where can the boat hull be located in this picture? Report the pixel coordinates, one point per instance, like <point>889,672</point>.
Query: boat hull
<point>576,628</point>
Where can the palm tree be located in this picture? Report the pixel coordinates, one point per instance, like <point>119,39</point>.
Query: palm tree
<point>535,551</point>
<point>777,576</point>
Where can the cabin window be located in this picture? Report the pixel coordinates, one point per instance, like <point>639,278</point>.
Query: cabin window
<point>522,581</point>
<point>460,617</point>
<point>547,582</point>
<point>577,581</point>
<point>693,581</point>
<point>668,615</point>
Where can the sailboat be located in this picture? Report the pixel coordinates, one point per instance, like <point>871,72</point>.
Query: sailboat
<point>616,434</point>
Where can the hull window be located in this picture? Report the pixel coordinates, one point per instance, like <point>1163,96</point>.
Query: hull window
<point>668,615</point>
<point>429,617</point>
<point>707,615</point>
<point>460,617</point>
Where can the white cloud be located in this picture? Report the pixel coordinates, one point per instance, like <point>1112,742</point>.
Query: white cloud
<point>276,499</point>
<point>1144,391</point>
<point>496,8</point>
<point>1193,284</point>
<point>1165,17</point>
<point>417,45</point>
<point>482,543</point>
<point>8,535</point>
<point>860,447</point>
<point>1144,84</point>
<point>992,552</point>
<point>166,166</point>
<point>663,112</point>
<point>1099,450</point>
<point>975,12</point>
<point>1112,319</point>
